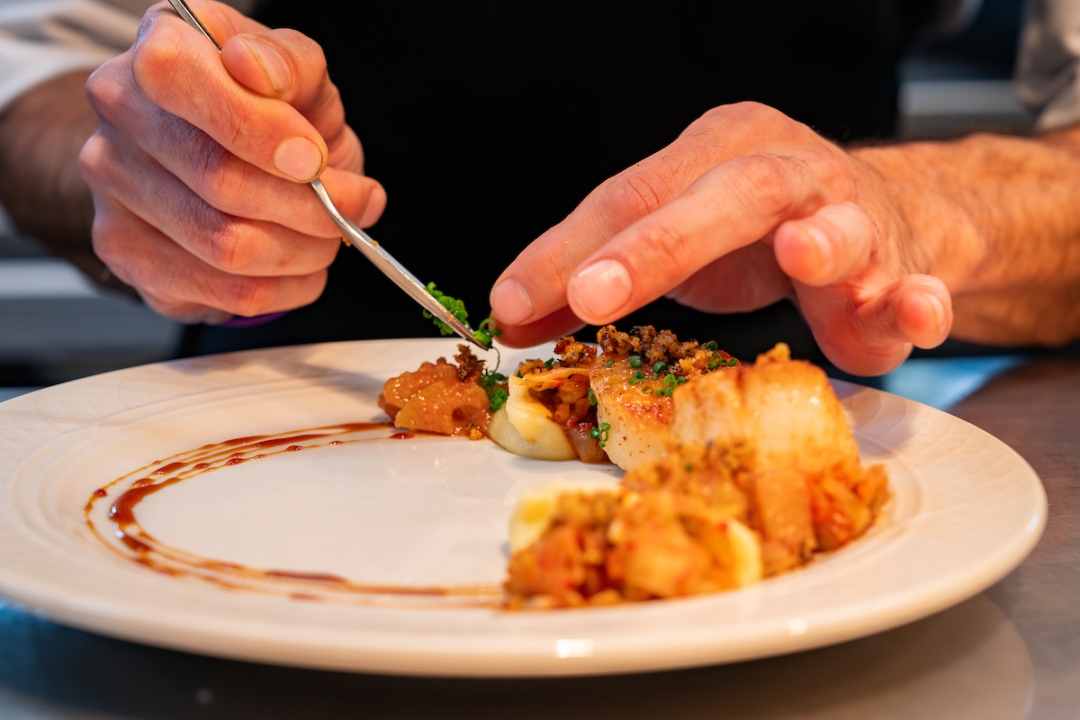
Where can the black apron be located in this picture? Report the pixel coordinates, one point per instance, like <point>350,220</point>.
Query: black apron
<point>488,121</point>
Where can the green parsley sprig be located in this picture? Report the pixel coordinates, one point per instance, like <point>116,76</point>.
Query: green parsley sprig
<point>491,382</point>
<point>485,332</point>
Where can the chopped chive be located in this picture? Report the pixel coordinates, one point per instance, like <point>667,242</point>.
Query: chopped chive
<point>592,397</point>
<point>604,434</point>
<point>609,363</point>
<point>656,368</point>
<point>634,360</point>
<point>711,345</point>
<point>637,377</point>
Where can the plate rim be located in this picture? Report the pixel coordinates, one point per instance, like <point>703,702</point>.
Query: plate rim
<point>42,597</point>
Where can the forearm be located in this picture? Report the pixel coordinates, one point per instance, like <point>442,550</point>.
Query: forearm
<point>997,218</point>
<point>41,187</point>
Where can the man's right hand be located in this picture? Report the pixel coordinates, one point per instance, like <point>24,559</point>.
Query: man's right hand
<point>200,166</point>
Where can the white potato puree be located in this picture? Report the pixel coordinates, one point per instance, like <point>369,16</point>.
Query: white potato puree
<point>524,427</point>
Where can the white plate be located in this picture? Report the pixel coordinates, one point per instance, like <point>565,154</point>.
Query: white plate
<point>434,511</point>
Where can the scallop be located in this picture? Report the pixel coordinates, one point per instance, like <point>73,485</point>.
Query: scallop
<point>785,409</point>
<point>639,418</point>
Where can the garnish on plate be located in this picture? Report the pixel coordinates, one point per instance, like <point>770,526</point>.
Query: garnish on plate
<point>484,333</point>
<point>758,472</point>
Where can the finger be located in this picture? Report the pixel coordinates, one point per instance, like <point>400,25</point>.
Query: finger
<point>179,71</point>
<point>871,336</point>
<point>730,206</point>
<point>557,324</point>
<point>235,245</point>
<point>543,269</point>
<point>923,310</point>
<point>831,246</point>
<point>291,67</point>
<point>221,178</point>
<point>184,312</point>
<point>534,285</point>
<point>144,258</point>
<point>745,279</point>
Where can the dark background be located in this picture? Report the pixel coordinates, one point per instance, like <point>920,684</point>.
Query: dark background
<point>54,326</point>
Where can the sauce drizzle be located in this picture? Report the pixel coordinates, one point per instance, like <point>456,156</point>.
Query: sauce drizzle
<point>136,544</point>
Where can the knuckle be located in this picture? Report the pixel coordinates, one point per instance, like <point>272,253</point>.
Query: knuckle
<point>832,169</point>
<point>231,245</point>
<point>154,63</point>
<point>755,113</point>
<point>109,91</point>
<point>769,181</point>
<point>236,130</point>
<point>668,245</point>
<point>109,243</point>
<point>169,308</point>
<point>249,296</point>
<point>638,192</point>
<point>310,53</point>
<point>103,238</point>
<point>93,159</point>
<point>217,174</point>
<point>102,89</point>
<point>747,112</point>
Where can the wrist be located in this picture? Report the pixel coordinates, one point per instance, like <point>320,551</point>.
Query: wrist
<point>41,135</point>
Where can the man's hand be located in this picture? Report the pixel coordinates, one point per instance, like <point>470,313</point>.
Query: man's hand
<point>747,207</point>
<point>200,166</point>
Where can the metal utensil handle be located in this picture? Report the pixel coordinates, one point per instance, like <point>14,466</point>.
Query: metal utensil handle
<point>390,267</point>
<point>359,239</point>
<point>185,12</point>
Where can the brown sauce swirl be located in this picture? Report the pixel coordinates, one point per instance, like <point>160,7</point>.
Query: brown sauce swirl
<point>136,544</point>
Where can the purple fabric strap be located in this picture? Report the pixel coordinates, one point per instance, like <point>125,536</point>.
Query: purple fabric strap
<point>243,322</point>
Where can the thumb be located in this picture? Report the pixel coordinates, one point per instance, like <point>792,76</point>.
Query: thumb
<point>289,66</point>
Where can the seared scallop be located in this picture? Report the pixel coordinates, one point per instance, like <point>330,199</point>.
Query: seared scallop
<point>638,417</point>
<point>784,409</point>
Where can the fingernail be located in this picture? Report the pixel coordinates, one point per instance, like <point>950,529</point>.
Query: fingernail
<point>299,158</point>
<point>272,63</point>
<point>938,311</point>
<point>823,249</point>
<point>601,289</point>
<point>510,302</point>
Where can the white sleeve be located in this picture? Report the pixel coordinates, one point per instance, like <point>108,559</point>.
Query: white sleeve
<point>1048,66</point>
<point>40,39</point>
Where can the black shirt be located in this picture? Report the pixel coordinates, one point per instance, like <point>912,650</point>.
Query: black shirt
<point>488,121</point>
